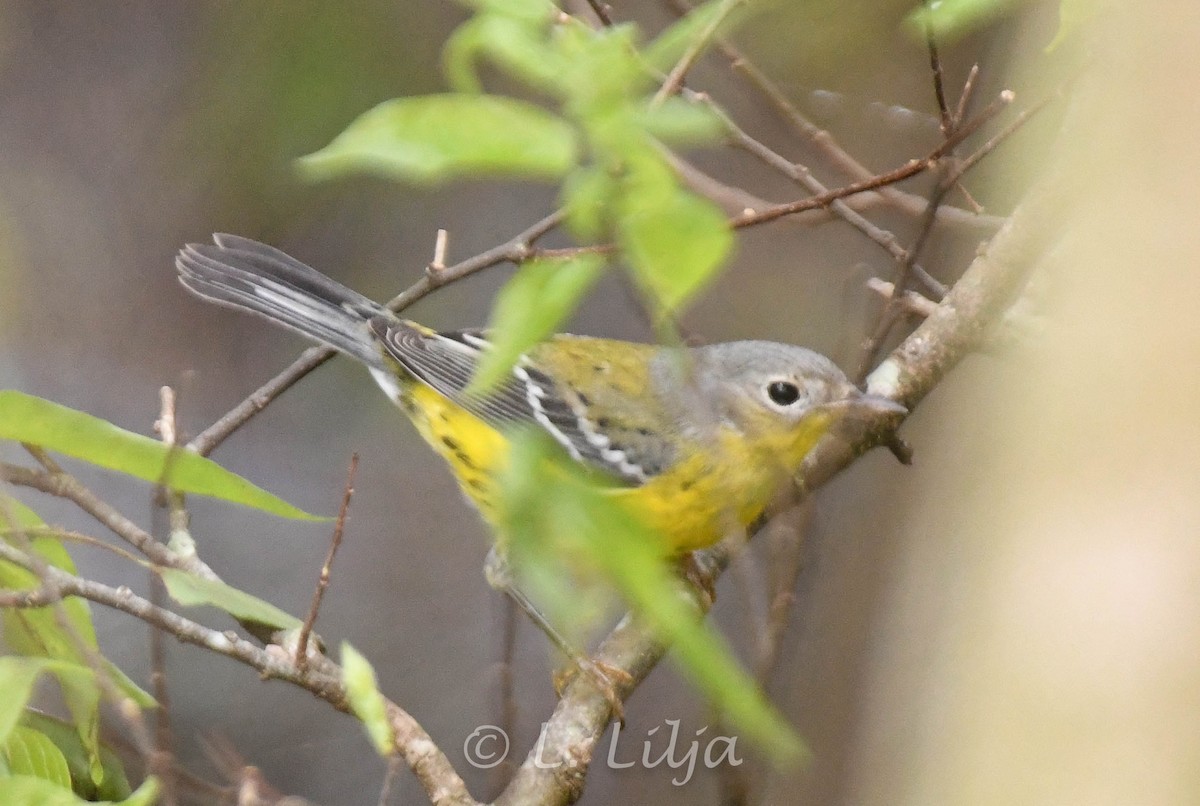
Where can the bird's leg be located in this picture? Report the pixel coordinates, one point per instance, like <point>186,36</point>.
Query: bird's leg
<point>698,572</point>
<point>608,679</point>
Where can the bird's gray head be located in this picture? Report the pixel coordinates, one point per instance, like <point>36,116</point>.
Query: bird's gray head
<point>763,381</point>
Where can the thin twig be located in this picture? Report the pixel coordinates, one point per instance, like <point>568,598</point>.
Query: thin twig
<point>326,567</point>
<point>63,485</point>
<point>601,11</point>
<point>389,778</point>
<point>438,264</point>
<point>695,47</point>
<point>964,98</point>
<point>74,537</point>
<point>912,301</point>
<point>935,64</point>
<point>163,759</point>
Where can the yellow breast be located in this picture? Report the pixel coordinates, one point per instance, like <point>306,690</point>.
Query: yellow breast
<point>710,493</point>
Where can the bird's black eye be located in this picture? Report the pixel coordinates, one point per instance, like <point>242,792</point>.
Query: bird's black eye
<point>783,393</point>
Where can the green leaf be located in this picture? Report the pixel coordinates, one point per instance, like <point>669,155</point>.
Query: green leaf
<point>1072,14</point>
<point>114,786</point>
<point>191,591</point>
<point>24,790</point>
<point>674,247</point>
<point>516,45</point>
<point>29,752</point>
<point>587,195</point>
<point>952,19</point>
<point>671,44</point>
<point>680,122</point>
<point>362,691</point>
<point>30,419</point>
<point>17,676</point>
<point>438,137</point>
<point>146,794</point>
<point>562,526</point>
<point>532,306</point>
<point>36,632</point>
<point>528,10</point>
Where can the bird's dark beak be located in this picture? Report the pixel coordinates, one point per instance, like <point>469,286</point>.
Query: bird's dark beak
<point>856,404</point>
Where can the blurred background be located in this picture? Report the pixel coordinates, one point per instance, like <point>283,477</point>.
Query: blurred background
<point>131,128</point>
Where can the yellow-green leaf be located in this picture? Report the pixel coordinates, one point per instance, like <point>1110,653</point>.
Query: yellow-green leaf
<point>532,306</point>
<point>115,784</point>
<point>680,122</point>
<point>433,138</point>
<point>952,19</point>
<point>675,247</point>
<point>25,790</point>
<point>191,590</point>
<point>26,418</point>
<point>672,43</point>
<point>17,676</point>
<point>29,752</point>
<point>362,690</point>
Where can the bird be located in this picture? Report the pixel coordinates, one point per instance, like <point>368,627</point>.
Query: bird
<point>696,441</point>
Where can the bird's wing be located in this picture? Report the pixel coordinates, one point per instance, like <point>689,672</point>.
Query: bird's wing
<point>597,409</point>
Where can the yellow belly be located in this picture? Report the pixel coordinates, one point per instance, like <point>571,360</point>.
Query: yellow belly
<point>692,505</point>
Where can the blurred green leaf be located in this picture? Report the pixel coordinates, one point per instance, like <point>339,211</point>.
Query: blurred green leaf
<point>587,194</point>
<point>17,676</point>
<point>952,19</point>
<point>680,122</point>
<point>671,44</point>
<point>517,46</point>
<point>1071,16</point>
<point>36,631</point>
<point>528,10</point>
<point>439,137</point>
<point>29,752</point>
<point>675,246</point>
<point>24,790</point>
<point>146,794</point>
<point>114,786</point>
<point>362,690</point>
<point>30,419</point>
<point>191,591</point>
<point>562,525</point>
<point>530,307</point>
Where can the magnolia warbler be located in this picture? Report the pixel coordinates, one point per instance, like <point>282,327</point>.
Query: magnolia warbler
<point>697,447</point>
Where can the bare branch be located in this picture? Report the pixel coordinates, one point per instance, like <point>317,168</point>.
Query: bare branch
<point>63,485</point>
<point>327,567</point>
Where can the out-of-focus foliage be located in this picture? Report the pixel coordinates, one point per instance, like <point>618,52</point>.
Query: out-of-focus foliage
<point>34,421</point>
<point>192,591</point>
<point>531,307</point>
<point>362,690</point>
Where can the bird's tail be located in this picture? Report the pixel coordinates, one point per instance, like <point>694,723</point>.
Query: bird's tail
<point>242,273</point>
